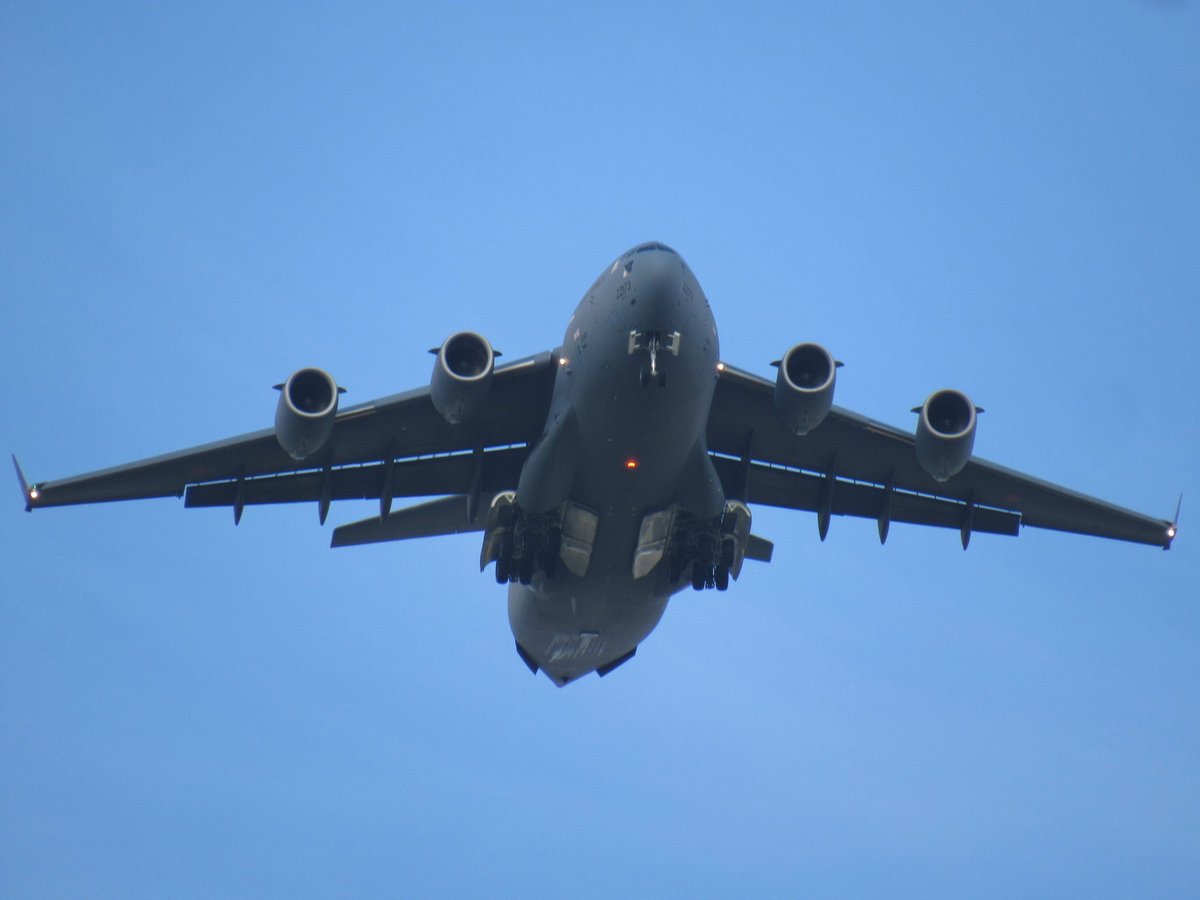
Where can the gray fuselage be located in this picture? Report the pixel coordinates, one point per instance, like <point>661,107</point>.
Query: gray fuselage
<point>636,444</point>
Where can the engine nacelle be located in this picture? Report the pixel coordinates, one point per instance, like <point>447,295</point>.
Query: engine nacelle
<point>804,387</point>
<point>946,433</point>
<point>308,403</point>
<point>462,375</point>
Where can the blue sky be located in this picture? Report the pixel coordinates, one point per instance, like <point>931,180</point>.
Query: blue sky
<point>195,202</point>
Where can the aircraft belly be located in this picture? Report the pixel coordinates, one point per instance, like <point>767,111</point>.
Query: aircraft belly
<point>571,626</point>
<point>630,408</point>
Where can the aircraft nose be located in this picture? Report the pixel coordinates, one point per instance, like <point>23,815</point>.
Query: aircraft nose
<point>657,280</point>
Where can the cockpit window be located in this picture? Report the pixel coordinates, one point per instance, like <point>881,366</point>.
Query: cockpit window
<point>652,245</point>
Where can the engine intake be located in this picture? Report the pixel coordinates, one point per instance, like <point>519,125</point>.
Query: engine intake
<point>804,387</point>
<point>462,375</point>
<point>308,403</point>
<point>946,433</point>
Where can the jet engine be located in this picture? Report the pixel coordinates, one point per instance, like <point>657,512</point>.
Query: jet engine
<point>804,387</point>
<point>462,375</point>
<point>308,403</point>
<point>946,433</point>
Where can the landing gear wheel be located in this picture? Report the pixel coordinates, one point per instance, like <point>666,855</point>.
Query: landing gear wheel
<point>662,379</point>
<point>644,376</point>
<point>525,570</point>
<point>721,577</point>
<point>504,570</point>
<point>697,577</point>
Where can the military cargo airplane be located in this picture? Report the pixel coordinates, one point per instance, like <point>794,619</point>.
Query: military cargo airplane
<point>613,471</point>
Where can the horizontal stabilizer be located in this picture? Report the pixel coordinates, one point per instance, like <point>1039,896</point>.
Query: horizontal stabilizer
<point>447,515</point>
<point>759,548</point>
<point>527,658</point>
<point>620,660</point>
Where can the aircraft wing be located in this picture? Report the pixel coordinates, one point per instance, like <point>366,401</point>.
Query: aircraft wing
<point>395,446</point>
<point>852,465</point>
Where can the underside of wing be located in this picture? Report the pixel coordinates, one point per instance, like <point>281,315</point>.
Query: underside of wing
<point>396,446</point>
<point>852,465</point>
<point>450,473</point>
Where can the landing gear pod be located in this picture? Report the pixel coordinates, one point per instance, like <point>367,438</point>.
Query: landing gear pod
<point>804,387</point>
<point>308,403</point>
<point>462,375</point>
<point>946,433</point>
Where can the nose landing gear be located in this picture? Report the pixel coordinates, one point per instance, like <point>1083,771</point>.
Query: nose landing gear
<point>653,342</point>
<point>646,375</point>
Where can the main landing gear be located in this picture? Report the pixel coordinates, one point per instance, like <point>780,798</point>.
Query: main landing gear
<point>524,544</point>
<point>527,545</point>
<point>647,374</point>
<point>707,551</point>
<point>712,576</point>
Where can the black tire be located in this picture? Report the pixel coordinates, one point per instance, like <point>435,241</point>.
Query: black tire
<point>502,571</point>
<point>721,577</point>
<point>697,577</point>
<point>525,570</point>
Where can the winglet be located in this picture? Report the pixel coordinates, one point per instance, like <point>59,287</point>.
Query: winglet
<point>29,493</point>
<point>1173,528</point>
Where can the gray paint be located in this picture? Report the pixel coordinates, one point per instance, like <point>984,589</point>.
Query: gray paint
<point>571,625</point>
<point>637,377</point>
